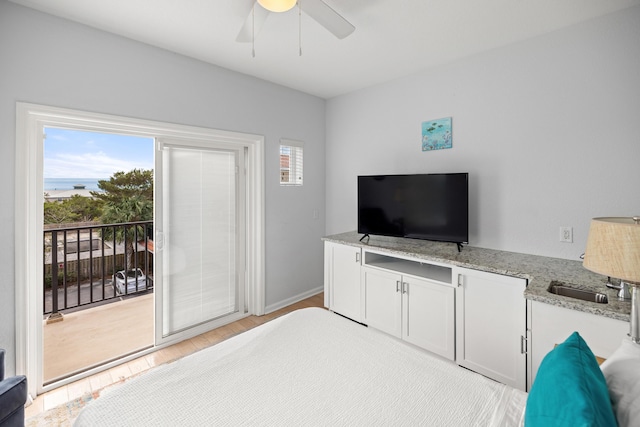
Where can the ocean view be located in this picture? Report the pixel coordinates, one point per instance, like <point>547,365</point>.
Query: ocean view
<point>68,183</point>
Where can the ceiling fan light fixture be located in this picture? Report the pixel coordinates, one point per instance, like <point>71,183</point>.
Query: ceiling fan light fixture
<point>277,5</point>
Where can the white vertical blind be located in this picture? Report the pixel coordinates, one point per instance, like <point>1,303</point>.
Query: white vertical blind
<point>291,162</point>
<point>200,225</point>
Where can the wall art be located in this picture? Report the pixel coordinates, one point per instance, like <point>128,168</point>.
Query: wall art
<point>436,134</point>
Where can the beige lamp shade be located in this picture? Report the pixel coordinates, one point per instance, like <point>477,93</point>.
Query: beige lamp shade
<point>277,5</point>
<point>613,248</point>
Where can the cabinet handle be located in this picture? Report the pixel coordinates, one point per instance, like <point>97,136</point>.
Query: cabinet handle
<point>357,256</point>
<point>523,345</point>
<point>397,285</point>
<point>405,286</point>
<point>460,281</point>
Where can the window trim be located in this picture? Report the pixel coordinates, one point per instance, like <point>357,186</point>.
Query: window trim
<point>292,143</point>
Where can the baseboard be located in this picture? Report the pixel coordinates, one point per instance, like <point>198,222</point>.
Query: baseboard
<point>277,306</point>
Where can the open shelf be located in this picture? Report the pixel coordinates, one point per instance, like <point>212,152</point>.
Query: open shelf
<point>406,266</point>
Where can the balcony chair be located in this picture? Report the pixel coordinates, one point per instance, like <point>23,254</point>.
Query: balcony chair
<point>13,396</point>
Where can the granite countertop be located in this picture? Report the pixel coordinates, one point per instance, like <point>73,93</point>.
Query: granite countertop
<point>538,270</point>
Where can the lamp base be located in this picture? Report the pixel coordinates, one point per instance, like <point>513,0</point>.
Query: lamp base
<point>623,289</point>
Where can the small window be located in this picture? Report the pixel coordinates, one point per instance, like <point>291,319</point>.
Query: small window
<point>290,162</point>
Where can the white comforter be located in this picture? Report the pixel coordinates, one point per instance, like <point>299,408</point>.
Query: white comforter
<point>310,367</point>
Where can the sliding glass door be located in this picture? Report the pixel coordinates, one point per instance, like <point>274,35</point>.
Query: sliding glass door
<point>208,229</point>
<point>199,237</point>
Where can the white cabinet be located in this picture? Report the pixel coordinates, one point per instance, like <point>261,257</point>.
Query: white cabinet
<point>551,325</point>
<point>429,316</point>
<point>476,318</point>
<point>342,279</point>
<point>418,310</point>
<point>491,321</point>
<point>382,300</point>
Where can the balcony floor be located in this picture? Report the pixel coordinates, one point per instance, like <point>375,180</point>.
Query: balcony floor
<point>97,335</point>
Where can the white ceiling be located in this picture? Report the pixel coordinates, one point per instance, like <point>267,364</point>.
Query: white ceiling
<point>393,38</point>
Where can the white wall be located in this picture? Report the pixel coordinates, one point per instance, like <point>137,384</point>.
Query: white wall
<point>47,60</point>
<point>549,130</point>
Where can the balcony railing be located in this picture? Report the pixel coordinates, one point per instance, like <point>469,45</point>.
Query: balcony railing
<point>92,264</point>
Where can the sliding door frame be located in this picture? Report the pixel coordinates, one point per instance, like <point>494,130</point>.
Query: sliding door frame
<point>31,119</point>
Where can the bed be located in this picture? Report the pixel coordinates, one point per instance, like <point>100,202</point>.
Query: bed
<point>309,367</point>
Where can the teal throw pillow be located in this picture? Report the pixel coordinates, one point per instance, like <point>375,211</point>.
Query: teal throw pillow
<point>569,389</point>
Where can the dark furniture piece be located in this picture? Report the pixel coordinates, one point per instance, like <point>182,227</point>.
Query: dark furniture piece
<point>13,396</point>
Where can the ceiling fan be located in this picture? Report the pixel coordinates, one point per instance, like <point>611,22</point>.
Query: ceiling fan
<point>318,10</point>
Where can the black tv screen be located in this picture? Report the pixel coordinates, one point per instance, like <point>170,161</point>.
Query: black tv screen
<point>423,206</point>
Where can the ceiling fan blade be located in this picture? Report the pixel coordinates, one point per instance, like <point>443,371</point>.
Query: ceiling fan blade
<point>246,32</point>
<point>327,17</point>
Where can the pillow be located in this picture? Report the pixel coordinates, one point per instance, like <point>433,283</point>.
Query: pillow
<point>569,389</point>
<point>622,372</point>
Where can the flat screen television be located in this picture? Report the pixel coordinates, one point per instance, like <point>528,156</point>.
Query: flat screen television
<point>422,206</point>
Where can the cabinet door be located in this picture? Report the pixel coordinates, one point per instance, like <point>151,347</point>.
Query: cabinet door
<point>342,279</point>
<point>381,300</point>
<point>428,319</point>
<point>551,325</point>
<point>491,322</point>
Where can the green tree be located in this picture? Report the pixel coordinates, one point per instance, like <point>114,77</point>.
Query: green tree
<point>126,197</point>
<point>74,209</point>
<point>85,208</point>
<point>123,185</point>
<point>58,213</point>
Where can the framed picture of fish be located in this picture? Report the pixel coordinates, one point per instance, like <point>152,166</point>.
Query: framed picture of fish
<point>436,134</point>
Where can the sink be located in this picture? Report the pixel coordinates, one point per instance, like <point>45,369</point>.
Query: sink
<point>563,289</point>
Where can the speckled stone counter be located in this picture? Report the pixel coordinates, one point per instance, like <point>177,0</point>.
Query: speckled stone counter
<point>538,270</point>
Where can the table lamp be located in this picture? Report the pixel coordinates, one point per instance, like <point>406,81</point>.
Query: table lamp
<point>613,249</point>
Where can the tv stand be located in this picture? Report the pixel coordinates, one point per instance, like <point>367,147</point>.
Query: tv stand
<point>363,236</point>
<point>459,247</point>
<point>430,296</point>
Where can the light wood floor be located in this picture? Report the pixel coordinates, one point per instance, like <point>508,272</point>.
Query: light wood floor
<point>98,381</point>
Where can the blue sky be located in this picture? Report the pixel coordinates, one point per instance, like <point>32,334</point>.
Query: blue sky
<point>79,154</point>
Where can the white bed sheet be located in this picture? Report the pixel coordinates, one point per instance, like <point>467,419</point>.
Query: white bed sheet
<point>310,367</point>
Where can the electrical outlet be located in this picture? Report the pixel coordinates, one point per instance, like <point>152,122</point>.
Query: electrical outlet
<point>566,234</point>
